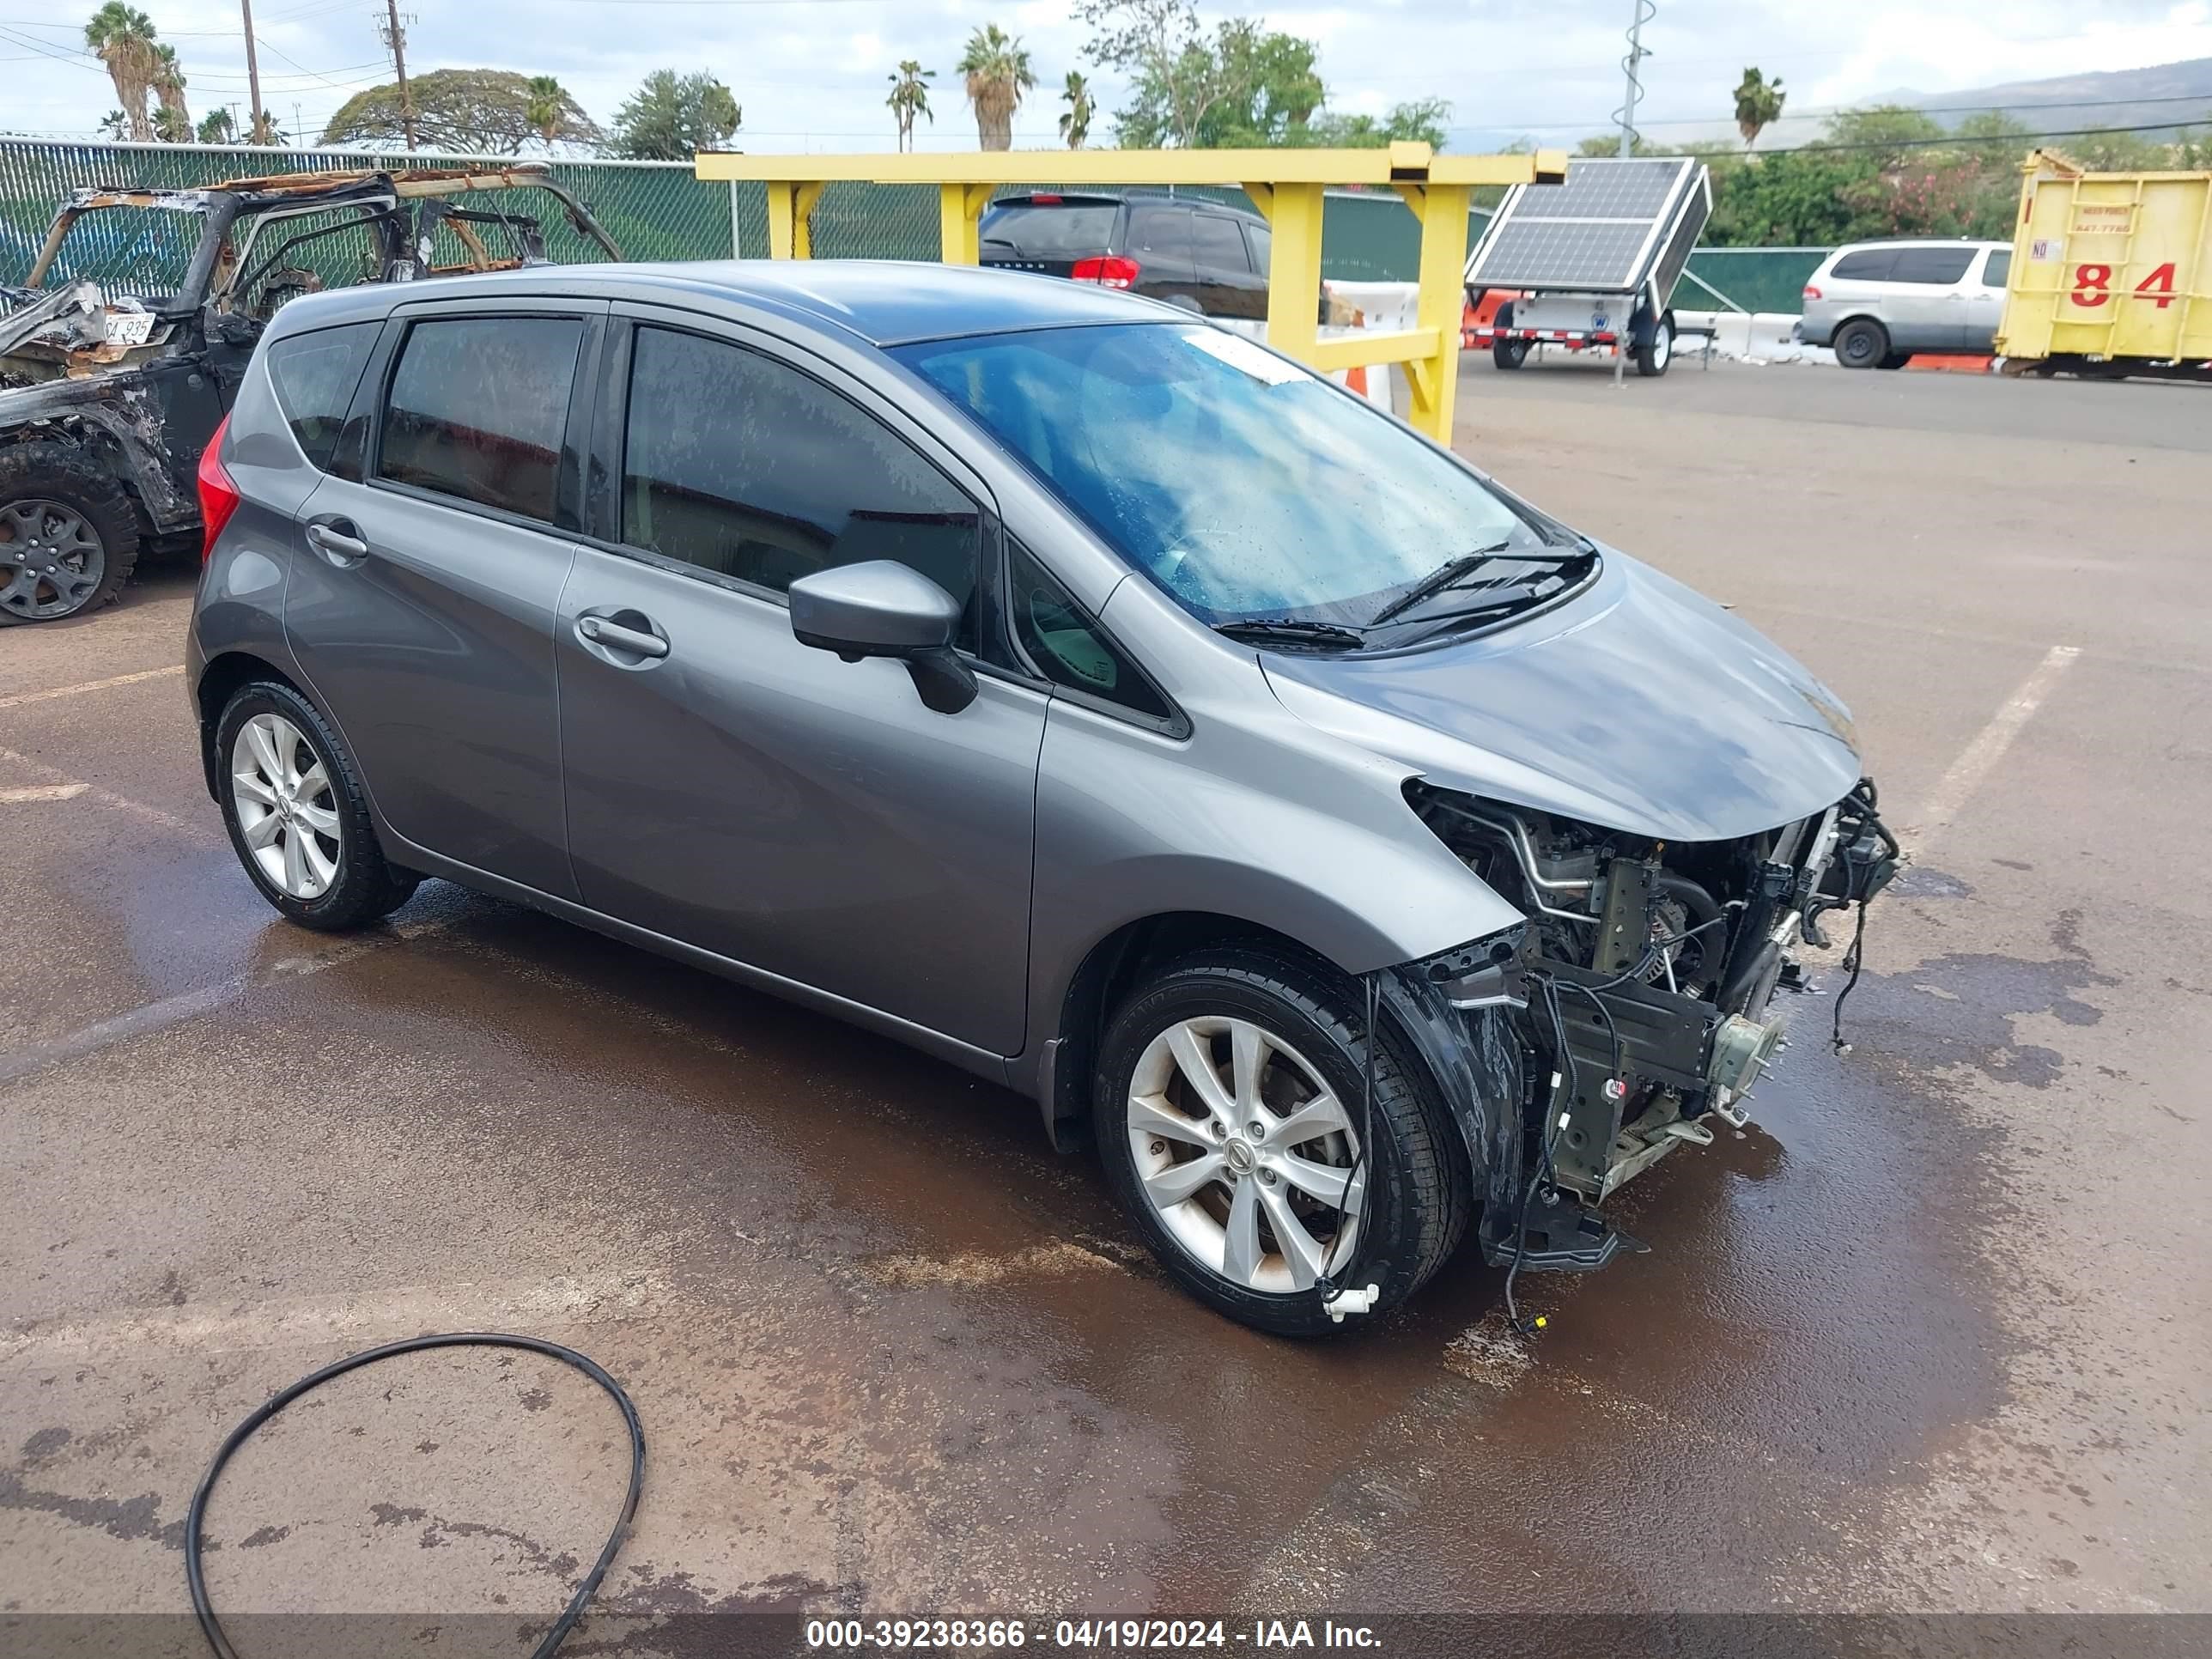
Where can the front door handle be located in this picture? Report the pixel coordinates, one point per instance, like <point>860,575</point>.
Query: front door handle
<point>336,538</point>
<point>598,630</point>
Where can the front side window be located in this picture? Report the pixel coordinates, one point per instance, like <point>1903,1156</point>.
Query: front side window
<point>314,375</point>
<point>744,466</point>
<point>1244,485</point>
<point>478,408</point>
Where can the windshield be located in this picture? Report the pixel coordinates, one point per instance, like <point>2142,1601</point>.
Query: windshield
<point>1244,485</point>
<point>126,249</point>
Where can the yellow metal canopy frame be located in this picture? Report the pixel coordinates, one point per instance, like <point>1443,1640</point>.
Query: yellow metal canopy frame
<point>1284,184</point>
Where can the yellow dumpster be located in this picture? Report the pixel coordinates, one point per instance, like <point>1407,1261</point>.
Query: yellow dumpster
<point>2111,272</point>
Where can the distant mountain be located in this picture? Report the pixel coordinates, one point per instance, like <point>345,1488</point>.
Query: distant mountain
<point>2165,94</point>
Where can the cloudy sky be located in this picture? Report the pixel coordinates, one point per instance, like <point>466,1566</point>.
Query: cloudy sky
<point>811,74</point>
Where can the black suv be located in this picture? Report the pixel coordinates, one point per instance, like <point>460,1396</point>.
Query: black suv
<point>1199,255</point>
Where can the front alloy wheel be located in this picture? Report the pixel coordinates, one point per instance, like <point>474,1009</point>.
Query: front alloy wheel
<point>287,814</point>
<point>1245,1155</point>
<point>52,560</point>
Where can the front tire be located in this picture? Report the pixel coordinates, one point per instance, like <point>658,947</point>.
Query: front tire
<point>1229,1108</point>
<point>298,817</point>
<point>1862,344</point>
<point>69,535</point>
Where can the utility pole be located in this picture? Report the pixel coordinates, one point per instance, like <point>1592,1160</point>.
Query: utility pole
<point>259,133</point>
<point>1644,13</point>
<point>395,41</point>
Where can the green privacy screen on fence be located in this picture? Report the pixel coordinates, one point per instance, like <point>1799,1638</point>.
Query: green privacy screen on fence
<point>658,210</point>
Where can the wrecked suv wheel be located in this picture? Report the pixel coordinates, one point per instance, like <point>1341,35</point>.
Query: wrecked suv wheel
<point>69,536</point>
<point>1229,1112</point>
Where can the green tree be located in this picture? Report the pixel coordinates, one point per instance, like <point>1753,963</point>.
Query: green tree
<point>1421,121</point>
<point>1886,131</point>
<point>474,111</point>
<point>671,117</point>
<point>172,121</point>
<point>909,98</point>
<point>1178,77</point>
<point>1075,119</point>
<point>122,37</point>
<point>996,71</point>
<point>1758,105</point>
<point>546,106</point>
<point>217,127</point>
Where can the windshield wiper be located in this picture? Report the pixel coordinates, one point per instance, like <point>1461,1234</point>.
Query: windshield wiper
<point>1452,572</point>
<point>1292,631</point>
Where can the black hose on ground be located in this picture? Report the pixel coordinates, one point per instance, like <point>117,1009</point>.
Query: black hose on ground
<point>196,1580</point>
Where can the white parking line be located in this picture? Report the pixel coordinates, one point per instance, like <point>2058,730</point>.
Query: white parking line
<point>137,809</point>
<point>211,1327</point>
<point>1981,755</point>
<point>17,699</point>
<point>42,792</point>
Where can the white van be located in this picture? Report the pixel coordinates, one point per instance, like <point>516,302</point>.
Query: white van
<point>1876,303</point>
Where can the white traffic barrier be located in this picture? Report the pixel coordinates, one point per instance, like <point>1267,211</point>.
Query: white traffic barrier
<point>1762,336</point>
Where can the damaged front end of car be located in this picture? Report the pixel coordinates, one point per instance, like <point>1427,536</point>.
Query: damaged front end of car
<point>1633,1009</point>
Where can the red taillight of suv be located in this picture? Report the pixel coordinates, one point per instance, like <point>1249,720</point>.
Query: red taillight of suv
<point>1109,271</point>
<point>1812,293</point>
<point>218,493</point>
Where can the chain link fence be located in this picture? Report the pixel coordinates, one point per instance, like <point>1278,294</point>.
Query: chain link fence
<point>660,210</point>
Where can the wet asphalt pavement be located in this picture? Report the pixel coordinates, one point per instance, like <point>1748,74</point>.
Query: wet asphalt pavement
<point>1931,1334</point>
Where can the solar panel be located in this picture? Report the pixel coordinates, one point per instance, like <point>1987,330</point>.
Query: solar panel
<point>1599,230</point>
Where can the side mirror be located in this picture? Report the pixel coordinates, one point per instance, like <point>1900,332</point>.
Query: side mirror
<point>883,609</point>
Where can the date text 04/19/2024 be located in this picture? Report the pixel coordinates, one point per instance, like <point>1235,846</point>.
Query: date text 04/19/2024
<point>1083,1635</point>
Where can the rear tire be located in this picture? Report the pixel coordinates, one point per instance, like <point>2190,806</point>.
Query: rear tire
<point>1156,1127</point>
<point>69,534</point>
<point>1862,344</point>
<point>1656,352</point>
<point>1509,354</point>
<point>1897,360</point>
<point>297,815</point>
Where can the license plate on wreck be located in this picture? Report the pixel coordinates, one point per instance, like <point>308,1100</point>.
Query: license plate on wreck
<point>128,328</point>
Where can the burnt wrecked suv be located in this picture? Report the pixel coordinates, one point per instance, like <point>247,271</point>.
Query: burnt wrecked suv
<point>124,343</point>
<point>1076,691</point>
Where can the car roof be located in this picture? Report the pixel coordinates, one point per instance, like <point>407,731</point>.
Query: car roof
<point>1889,243</point>
<point>883,302</point>
<point>1048,198</point>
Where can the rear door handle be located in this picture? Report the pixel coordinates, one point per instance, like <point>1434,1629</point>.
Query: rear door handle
<point>600,631</point>
<point>335,537</point>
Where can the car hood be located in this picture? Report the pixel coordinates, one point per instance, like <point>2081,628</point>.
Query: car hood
<point>1637,705</point>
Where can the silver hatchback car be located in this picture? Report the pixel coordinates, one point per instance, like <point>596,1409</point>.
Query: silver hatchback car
<point>1877,303</point>
<point>1084,695</point>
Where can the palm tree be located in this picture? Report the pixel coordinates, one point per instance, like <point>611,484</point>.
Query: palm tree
<point>909,98</point>
<point>122,37</point>
<point>217,127</point>
<point>997,67</point>
<point>546,102</point>
<point>172,122</point>
<point>1757,103</point>
<point>1075,124</point>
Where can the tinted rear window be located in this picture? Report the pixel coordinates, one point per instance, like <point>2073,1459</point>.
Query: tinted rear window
<point>1221,242</point>
<point>1932,265</point>
<point>478,408</point>
<point>1872,266</point>
<point>315,375</point>
<point>1045,232</point>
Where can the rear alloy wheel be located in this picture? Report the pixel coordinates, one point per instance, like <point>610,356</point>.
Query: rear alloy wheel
<point>1862,344</point>
<point>68,534</point>
<point>297,816</point>
<point>1231,1110</point>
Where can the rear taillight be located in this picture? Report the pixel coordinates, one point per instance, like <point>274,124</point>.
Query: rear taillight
<point>1111,270</point>
<point>218,492</point>
<point>1812,293</point>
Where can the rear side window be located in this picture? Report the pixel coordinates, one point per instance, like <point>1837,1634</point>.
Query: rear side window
<point>1044,233</point>
<point>1160,234</point>
<point>315,375</point>
<point>1261,242</point>
<point>1932,265</point>
<point>478,408</point>
<point>1873,265</point>
<point>1220,242</point>
<point>744,466</point>
<point>1066,647</point>
<point>1998,272</point>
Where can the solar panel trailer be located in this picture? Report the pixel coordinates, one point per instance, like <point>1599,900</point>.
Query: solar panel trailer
<point>1591,262</point>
